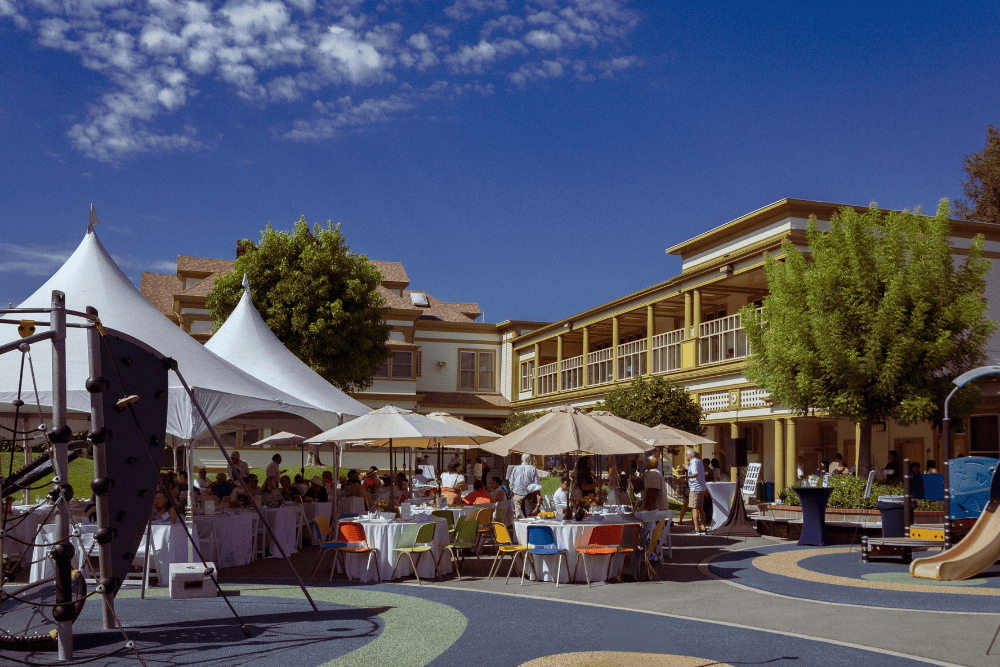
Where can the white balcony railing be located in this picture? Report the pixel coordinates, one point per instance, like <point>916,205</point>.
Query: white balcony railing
<point>599,367</point>
<point>667,351</point>
<point>571,373</point>
<point>632,359</point>
<point>548,376</point>
<point>721,340</point>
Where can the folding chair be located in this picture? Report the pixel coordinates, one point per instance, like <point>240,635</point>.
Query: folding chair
<point>505,545</point>
<point>628,545</point>
<point>541,542</point>
<point>322,529</point>
<point>484,518</point>
<point>350,534</point>
<point>465,538</point>
<point>653,551</point>
<point>448,516</point>
<point>416,539</point>
<point>604,541</point>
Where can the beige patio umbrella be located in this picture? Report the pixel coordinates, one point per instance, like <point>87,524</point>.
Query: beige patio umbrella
<point>567,430</point>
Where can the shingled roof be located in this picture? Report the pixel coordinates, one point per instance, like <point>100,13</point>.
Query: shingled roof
<point>160,288</point>
<point>393,273</point>
<point>204,264</point>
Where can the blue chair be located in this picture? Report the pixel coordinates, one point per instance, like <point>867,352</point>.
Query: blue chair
<point>322,530</point>
<point>541,542</point>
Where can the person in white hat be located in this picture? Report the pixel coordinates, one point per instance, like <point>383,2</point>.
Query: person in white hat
<point>317,492</point>
<point>532,502</point>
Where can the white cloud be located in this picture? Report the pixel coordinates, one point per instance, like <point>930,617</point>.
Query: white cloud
<point>156,55</point>
<point>31,260</point>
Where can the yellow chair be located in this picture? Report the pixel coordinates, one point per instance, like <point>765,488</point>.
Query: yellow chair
<point>505,546</point>
<point>485,519</point>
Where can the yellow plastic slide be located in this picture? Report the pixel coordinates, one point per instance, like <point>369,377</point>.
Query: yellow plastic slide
<point>976,552</point>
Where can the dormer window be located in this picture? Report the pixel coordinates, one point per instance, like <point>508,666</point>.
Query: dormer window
<point>419,299</point>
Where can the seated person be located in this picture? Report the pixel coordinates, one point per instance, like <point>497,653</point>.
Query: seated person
<point>316,493</point>
<point>328,480</point>
<point>300,484</point>
<point>222,488</point>
<point>562,493</point>
<point>270,495</point>
<point>479,494</point>
<point>418,477</point>
<point>253,485</point>
<point>496,490</point>
<point>288,492</point>
<point>402,488</point>
<point>163,513</point>
<point>202,481</point>
<point>371,481</point>
<point>532,501</point>
<point>838,467</point>
<point>354,489</point>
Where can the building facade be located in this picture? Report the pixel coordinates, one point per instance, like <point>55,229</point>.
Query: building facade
<point>688,329</point>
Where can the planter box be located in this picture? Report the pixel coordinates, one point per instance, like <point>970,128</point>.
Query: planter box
<point>845,515</point>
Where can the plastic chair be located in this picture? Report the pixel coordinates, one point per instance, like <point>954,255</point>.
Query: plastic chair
<point>628,545</point>
<point>505,546</point>
<point>465,538</point>
<point>484,518</point>
<point>416,539</point>
<point>653,552</point>
<point>541,542</point>
<point>482,501</point>
<point>498,518</point>
<point>325,533</point>
<point>448,516</point>
<point>352,533</point>
<point>604,541</point>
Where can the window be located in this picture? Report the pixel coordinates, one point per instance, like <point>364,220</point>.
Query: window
<point>527,375</point>
<point>984,436</point>
<point>418,363</point>
<point>397,367</point>
<point>476,370</point>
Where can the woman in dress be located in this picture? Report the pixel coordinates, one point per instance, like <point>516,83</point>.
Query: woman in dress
<point>452,484</point>
<point>270,494</point>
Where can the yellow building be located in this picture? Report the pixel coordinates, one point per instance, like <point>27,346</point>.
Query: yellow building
<point>688,329</point>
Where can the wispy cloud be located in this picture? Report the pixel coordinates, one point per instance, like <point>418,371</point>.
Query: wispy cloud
<point>30,259</point>
<point>355,68</point>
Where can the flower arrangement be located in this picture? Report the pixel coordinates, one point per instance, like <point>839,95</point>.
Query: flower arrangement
<point>383,505</point>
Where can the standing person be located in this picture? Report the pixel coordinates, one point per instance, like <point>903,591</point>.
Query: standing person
<point>584,477</point>
<point>477,470</point>
<point>521,477</point>
<point>486,472</point>
<point>273,468</point>
<point>800,468</point>
<point>240,469</point>
<point>654,493</point>
<point>452,484</point>
<point>892,469</point>
<point>696,494</point>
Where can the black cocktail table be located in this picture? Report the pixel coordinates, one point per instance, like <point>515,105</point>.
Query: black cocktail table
<point>813,499</point>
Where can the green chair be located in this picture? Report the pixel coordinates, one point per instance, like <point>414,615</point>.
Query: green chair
<point>448,516</point>
<point>465,539</point>
<point>499,515</point>
<point>417,538</point>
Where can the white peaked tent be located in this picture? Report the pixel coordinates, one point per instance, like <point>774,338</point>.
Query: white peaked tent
<point>91,278</point>
<point>246,342</point>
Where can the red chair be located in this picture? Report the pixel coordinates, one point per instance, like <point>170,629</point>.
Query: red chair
<point>353,533</point>
<point>604,541</point>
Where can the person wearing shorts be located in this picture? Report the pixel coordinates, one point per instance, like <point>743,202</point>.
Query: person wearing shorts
<point>696,490</point>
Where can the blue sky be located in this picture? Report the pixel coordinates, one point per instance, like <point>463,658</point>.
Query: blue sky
<point>536,158</point>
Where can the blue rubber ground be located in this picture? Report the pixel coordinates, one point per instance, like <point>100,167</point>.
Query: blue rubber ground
<point>460,628</point>
<point>737,566</point>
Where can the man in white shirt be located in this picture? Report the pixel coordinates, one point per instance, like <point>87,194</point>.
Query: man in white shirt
<point>521,477</point>
<point>654,489</point>
<point>273,468</point>
<point>696,494</point>
<point>562,493</point>
<point>240,469</point>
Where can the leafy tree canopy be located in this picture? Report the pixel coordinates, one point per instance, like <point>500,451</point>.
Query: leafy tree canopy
<point>319,298</point>
<point>983,186</point>
<point>655,401</point>
<point>874,323</point>
<point>517,419</point>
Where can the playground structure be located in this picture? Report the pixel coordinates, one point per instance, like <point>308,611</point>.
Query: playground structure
<point>127,385</point>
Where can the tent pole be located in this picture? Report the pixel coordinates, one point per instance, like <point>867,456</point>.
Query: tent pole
<point>189,457</point>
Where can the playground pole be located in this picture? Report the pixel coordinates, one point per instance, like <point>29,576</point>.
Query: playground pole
<point>946,455</point>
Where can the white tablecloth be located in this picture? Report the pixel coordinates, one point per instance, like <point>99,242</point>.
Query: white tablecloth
<point>169,541</point>
<point>569,536</point>
<point>282,522</point>
<point>352,505</point>
<point>325,510</point>
<point>469,512</point>
<point>722,494</point>
<point>226,540</point>
<point>23,526</point>
<point>383,537</point>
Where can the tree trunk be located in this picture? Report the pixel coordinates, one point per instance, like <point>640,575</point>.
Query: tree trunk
<point>314,455</point>
<point>864,448</point>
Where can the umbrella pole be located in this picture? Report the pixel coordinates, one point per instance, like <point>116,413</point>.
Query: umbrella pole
<point>302,462</point>
<point>392,469</point>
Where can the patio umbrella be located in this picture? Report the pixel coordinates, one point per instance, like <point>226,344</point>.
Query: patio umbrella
<point>289,439</point>
<point>480,437</point>
<point>389,425</point>
<point>567,430</point>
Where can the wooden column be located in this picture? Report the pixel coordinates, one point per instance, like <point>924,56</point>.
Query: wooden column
<point>779,456</point>
<point>650,328</point>
<point>534,380</point>
<point>559,357</point>
<point>688,314</point>
<point>614,348</point>
<point>586,351</point>
<point>791,452</point>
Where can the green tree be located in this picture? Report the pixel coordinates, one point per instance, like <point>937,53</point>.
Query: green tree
<point>319,298</point>
<point>655,401</point>
<point>983,186</point>
<point>874,324</point>
<point>517,419</point>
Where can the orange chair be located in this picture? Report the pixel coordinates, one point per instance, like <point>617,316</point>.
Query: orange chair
<point>353,533</point>
<point>482,501</point>
<point>604,541</point>
<point>506,546</point>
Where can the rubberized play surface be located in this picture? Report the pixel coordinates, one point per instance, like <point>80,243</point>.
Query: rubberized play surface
<point>836,574</point>
<point>391,624</point>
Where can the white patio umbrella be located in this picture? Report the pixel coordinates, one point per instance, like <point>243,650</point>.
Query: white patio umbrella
<point>391,425</point>
<point>567,430</point>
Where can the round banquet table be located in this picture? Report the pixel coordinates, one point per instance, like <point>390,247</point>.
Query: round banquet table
<point>383,536</point>
<point>469,511</point>
<point>24,525</point>
<point>227,539</point>
<point>283,522</point>
<point>722,494</point>
<point>569,536</point>
<point>353,505</point>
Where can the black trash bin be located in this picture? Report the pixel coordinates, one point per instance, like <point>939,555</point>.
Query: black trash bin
<point>891,508</point>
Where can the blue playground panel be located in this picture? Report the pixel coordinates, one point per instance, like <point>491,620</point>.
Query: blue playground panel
<point>970,480</point>
<point>933,486</point>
